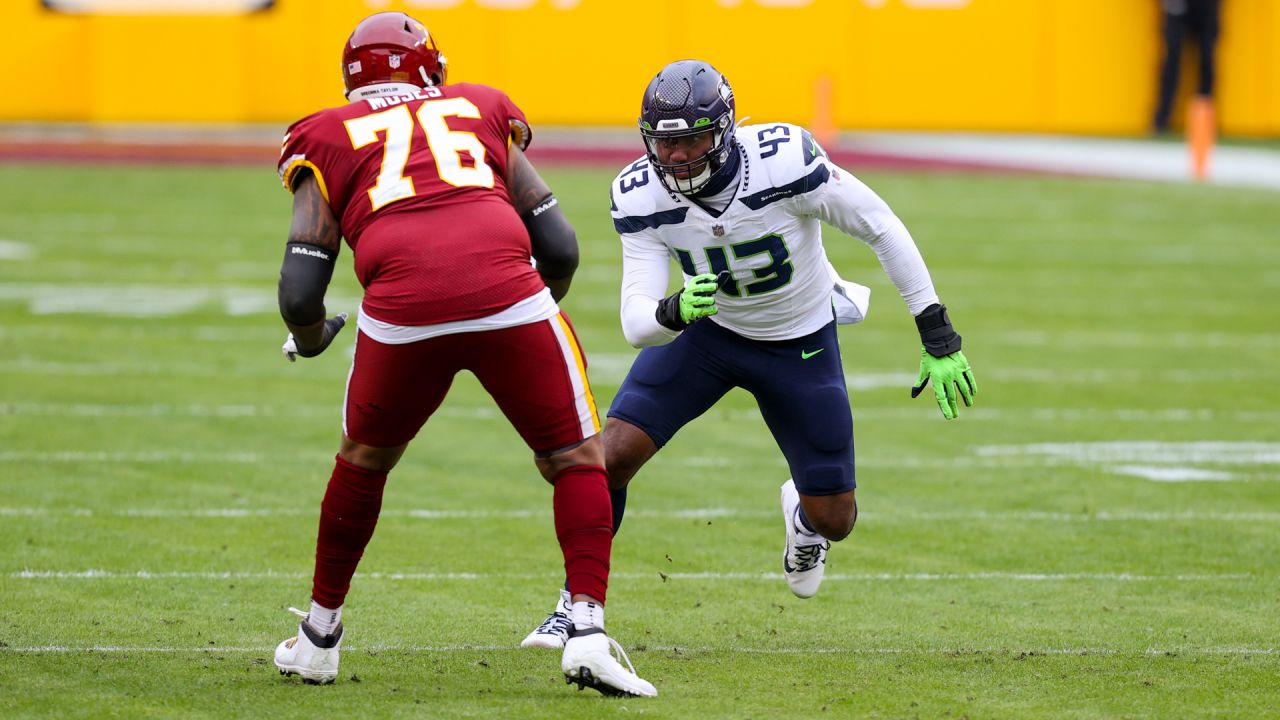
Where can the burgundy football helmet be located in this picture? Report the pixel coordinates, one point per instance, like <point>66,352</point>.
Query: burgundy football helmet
<point>391,47</point>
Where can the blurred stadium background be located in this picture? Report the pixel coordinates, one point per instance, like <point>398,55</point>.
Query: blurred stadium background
<point>1097,538</point>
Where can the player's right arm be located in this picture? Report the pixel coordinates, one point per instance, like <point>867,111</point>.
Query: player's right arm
<point>310,254</point>
<point>552,239</point>
<point>650,316</point>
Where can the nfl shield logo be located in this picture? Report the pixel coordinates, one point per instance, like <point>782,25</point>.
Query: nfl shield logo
<point>393,61</point>
<point>717,230</point>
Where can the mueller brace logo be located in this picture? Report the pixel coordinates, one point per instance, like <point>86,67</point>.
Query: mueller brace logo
<point>309,252</point>
<point>550,203</point>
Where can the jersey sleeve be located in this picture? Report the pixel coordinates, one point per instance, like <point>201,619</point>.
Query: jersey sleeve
<point>517,125</point>
<point>646,269</point>
<point>303,148</point>
<point>511,122</point>
<point>849,205</point>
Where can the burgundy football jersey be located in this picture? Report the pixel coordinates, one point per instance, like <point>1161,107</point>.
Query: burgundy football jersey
<point>418,184</point>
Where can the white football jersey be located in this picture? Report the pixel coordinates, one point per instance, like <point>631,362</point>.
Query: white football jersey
<point>769,238</point>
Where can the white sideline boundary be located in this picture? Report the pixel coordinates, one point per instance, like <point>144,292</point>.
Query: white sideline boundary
<point>93,574</point>
<point>422,649</point>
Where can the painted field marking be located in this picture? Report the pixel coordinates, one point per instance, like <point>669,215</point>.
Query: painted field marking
<point>489,413</point>
<point>93,574</point>
<point>15,250</point>
<point>143,300</point>
<point>1104,516</point>
<point>1017,652</point>
<point>609,369</point>
<point>1165,462</point>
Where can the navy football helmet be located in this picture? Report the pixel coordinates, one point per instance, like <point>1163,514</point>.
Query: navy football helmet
<point>686,98</point>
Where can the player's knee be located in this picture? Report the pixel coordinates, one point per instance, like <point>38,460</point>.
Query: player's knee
<point>381,459</point>
<point>626,449</point>
<point>833,516</point>
<point>589,452</point>
<point>834,528</point>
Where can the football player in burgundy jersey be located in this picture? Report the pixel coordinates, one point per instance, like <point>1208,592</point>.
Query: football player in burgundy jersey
<point>428,184</point>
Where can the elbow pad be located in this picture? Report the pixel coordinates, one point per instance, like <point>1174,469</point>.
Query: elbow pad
<point>552,239</point>
<point>304,277</point>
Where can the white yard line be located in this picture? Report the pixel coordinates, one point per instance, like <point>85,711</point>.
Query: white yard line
<point>483,412</point>
<point>1117,516</point>
<point>1018,652</point>
<point>605,372</point>
<point>704,576</point>
<point>995,460</point>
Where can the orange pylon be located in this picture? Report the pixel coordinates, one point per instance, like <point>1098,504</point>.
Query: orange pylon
<point>1200,135</point>
<point>824,121</point>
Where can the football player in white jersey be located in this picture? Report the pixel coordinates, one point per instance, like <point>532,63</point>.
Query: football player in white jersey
<point>740,208</point>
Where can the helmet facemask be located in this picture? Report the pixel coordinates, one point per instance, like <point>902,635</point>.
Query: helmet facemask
<point>692,175</point>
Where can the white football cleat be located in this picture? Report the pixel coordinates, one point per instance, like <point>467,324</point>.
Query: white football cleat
<point>309,654</point>
<point>554,631</point>
<point>589,661</point>
<point>804,558</point>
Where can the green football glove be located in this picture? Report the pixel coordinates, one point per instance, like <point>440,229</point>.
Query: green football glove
<point>942,362</point>
<point>952,381</point>
<point>696,300</point>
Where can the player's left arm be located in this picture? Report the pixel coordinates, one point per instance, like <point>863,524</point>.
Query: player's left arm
<point>553,241</point>
<point>848,204</point>
<point>312,250</point>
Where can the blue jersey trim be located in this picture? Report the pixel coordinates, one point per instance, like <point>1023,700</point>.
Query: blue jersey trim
<point>636,223</point>
<point>810,182</point>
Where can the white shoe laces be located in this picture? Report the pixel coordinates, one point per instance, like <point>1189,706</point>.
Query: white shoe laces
<point>622,654</point>
<point>299,613</point>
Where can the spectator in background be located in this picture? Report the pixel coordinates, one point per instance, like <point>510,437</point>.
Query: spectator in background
<point>1200,19</point>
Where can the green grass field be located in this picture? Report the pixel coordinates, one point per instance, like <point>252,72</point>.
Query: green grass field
<point>1099,537</point>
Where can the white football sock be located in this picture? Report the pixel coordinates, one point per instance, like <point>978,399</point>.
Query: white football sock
<point>322,619</point>
<point>798,524</point>
<point>587,615</point>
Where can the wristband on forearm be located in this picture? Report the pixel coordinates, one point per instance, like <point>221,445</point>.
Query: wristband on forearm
<point>936,333</point>
<point>668,312</point>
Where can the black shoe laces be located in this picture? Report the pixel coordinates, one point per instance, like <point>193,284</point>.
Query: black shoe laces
<point>808,557</point>
<point>555,624</point>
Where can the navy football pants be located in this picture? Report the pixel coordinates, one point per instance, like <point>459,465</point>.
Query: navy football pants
<point>798,384</point>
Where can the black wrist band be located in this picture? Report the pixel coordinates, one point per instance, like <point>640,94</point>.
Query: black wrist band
<point>668,313</point>
<point>936,333</point>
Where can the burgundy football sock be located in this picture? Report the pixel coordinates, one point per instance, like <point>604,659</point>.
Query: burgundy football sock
<point>348,516</point>
<point>584,526</point>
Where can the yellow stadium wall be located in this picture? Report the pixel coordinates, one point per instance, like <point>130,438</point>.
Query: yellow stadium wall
<point>1078,66</point>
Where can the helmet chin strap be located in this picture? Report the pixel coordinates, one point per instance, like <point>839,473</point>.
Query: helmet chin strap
<point>691,185</point>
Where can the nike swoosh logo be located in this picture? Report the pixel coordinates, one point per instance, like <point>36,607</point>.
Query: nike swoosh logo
<point>805,355</point>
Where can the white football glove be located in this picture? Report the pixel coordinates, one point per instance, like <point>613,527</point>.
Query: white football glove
<point>331,328</point>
